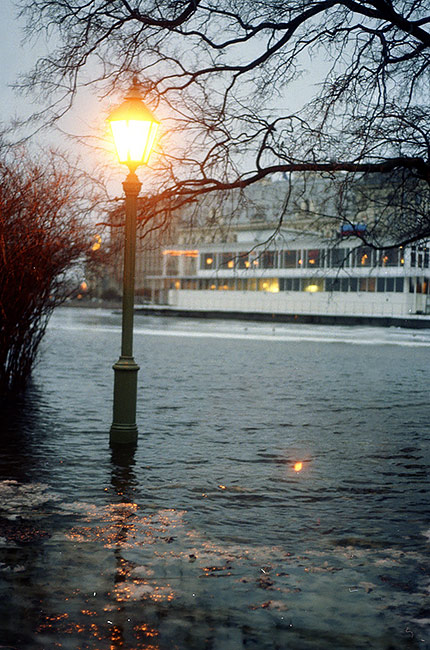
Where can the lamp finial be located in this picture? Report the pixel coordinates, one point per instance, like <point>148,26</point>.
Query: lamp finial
<point>135,89</point>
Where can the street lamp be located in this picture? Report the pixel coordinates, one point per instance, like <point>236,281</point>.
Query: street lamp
<point>133,128</point>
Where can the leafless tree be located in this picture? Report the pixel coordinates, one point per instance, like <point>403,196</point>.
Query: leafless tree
<point>43,236</point>
<point>221,74</point>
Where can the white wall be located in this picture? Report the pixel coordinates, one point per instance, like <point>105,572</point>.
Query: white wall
<point>348,304</point>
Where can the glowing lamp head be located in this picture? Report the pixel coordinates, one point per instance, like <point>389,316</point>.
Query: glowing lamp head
<point>133,128</point>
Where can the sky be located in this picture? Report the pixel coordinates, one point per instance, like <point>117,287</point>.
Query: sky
<point>86,119</point>
<point>18,56</point>
<point>15,58</point>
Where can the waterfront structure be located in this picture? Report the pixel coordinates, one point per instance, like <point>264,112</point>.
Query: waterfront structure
<point>210,219</point>
<point>297,273</point>
<point>289,247</point>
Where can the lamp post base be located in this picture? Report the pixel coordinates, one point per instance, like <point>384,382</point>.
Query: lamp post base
<point>123,434</point>
<point>124,428</point>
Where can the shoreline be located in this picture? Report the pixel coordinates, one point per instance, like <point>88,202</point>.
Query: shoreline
<point>415,321</point>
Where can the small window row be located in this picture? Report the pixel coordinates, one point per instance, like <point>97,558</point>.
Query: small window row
<point>303,258</point>
<point>420,257</point>
<point>310,285</point>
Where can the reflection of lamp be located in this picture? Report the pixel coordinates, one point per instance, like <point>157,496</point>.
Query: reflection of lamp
<point>133,128</point>
<point>122,513</point>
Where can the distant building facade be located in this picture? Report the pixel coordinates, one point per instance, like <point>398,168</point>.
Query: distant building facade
<point>298,274</point>
<point>286,248</point>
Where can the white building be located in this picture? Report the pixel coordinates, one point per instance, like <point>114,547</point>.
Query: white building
<point>295,273</point>
<point>286,250</point>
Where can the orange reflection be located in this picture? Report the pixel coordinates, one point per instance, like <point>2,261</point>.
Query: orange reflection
<point>298,466</point>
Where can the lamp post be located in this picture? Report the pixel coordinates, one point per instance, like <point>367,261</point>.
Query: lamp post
<point>133,128</point>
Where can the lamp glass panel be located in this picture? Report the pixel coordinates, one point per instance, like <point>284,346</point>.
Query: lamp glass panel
<point>150,140</point>
<point>133,139</point>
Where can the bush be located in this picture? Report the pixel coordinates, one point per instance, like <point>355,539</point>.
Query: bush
<point>43,236</point>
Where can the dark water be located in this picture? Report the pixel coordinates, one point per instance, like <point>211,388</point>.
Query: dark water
<point>206,537</point>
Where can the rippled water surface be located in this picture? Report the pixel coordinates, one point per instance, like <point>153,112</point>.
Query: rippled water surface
<point>206,537</point>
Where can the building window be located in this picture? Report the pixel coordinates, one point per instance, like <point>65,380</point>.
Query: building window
<point>338,257</point>
<point>332,284</point>
<point>242,261</point>
<point>371,284</point>
<point>313,286</point>
<point>367,284</point>
<point>353,284</point>
<point>420,285</point>
<point>341,284</point>
<point>268,260</point>
<point>268,284</point>
<point>390,285</point>
<point>344,284</point>
<point>363,256</point>
<point>314,258</point>
<point>420,257</point>
<point>289,284</point>
<point>207,261</point>
<point>389,257</point>
<point>289,259</point>
<point>226,261</point>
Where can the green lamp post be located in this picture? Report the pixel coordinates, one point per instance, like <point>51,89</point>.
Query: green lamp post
<point>133,129</point>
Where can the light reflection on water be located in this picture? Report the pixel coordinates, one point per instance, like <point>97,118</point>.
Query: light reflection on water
<point>206,536</point>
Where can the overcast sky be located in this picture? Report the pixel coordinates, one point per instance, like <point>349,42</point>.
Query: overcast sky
<point>18,56</point>
<point>15,58</point>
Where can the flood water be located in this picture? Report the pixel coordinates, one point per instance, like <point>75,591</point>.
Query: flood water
<point>207,536</point>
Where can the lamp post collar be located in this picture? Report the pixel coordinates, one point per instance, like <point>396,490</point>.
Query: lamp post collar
<point>132,184</point>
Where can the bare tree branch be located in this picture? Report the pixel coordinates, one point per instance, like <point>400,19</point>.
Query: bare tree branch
<point>220,72</point>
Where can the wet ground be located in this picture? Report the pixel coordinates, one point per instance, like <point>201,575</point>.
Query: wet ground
<point>210,534</point>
